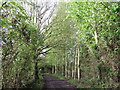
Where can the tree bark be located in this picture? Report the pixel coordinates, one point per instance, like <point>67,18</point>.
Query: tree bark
<point>53,69</point>
<point>75,64</point>
<point>63,69</point>
<point>66,68</point>
<point>72,70</point>
<point>36,71</point>
<point>78,65</point>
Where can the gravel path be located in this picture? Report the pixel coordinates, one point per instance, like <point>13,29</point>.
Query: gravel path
<point>55,83</point>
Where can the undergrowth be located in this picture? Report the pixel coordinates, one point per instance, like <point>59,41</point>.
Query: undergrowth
<point>37,84</point>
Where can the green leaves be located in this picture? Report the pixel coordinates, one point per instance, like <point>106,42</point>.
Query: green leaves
<point>96,30</point>
<point>21,39</point>
<point>86,31</point>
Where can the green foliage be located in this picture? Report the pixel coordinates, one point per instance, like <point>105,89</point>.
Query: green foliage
<point>59,76</point>
<point>39,84</point>
<point>20,42</point>
<point>83,37</point>
<point>95,31</point>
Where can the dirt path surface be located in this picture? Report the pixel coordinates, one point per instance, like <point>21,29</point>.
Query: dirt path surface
<point>55,83</point>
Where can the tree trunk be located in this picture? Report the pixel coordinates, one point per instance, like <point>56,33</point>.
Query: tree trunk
<point>63,69</point>
<point>75,64</point>
<point>78,65</point>
<point>118,76</point>
<point>58,69</point>
<point>53,69</point>
<point>69,70</point>
<point>101,72</point>
<point>36,71</point>
<point>72,70</point>
<point>66,68</point>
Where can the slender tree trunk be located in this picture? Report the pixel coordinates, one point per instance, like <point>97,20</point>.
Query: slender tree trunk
<point>118,75</point>
<point>36,70</point>
<point>63,69</point>
<point>66,68</point>
<point>78,65</point>
<point>58,71</point>
<point>72,70</point>
<point>53,69</point>
<point>75,64</point>
<point>102,72</point>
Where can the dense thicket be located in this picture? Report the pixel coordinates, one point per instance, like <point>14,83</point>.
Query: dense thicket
<point>20,39</point>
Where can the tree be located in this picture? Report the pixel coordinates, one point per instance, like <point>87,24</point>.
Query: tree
<point>20,43</point>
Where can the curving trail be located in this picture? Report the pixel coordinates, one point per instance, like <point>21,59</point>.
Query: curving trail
<point>55,83</point>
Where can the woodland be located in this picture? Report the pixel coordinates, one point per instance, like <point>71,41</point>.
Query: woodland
<point>76,40</point>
